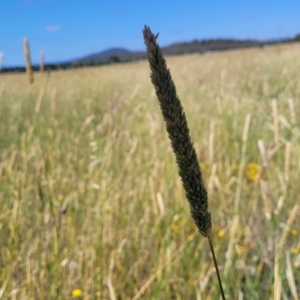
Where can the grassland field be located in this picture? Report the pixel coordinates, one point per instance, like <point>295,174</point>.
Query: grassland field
<point>91,204</point>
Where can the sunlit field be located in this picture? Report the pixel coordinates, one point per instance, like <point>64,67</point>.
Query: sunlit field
<point>91,203</point>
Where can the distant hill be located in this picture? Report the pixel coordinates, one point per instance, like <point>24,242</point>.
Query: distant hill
<point>119,55</point>
<point>106,54</point>
<point>112,55</point>
<point>209,46</point>
<point>116,55</point>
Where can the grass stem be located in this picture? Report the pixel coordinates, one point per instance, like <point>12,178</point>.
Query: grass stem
<point>216,267</point>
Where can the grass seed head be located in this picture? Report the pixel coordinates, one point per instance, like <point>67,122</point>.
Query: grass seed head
<point>177,128</point>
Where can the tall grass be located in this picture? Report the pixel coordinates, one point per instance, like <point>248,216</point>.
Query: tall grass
<point>27,55</point>
<point>86,182</point>
<point>183,148</point>
<point>1,60</point>
<point>42,61</point>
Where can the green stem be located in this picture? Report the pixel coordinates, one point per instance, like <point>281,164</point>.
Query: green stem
<point>216,266</point>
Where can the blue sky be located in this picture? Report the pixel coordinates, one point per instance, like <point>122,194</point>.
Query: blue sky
<point>67,29</point>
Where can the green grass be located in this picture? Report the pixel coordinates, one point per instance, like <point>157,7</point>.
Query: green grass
<point>90,197</point>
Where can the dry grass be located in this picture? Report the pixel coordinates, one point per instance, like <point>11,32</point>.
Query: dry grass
<point>90,197</point>
<point>28,61</point>
<point>42,62</point>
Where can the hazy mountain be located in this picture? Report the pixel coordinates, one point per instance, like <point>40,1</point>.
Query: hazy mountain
<point>114,55</point>
<point>118,55</point>
<point>106,54</point>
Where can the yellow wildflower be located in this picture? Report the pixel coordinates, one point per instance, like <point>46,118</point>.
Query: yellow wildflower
<point>221,233</point>
<point>252,171</point>
<point>294,232</point>
<point>108,208</point>
<point>77,293</point>
<point>295,251</point>
<point>203,168</point>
